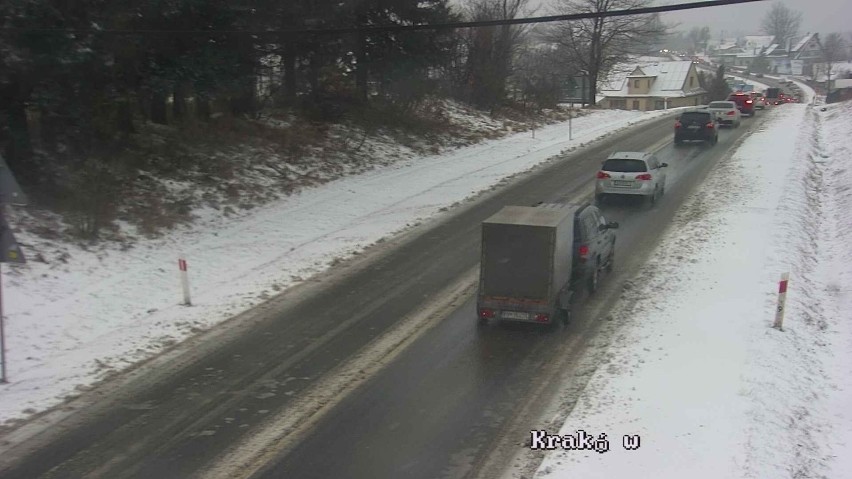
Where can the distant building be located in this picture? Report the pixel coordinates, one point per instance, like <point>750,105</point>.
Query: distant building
<point>795,56</point>
<point>757,43</point>
<point>804,53</point>
<point>841,90</point>
<point>654,87</point>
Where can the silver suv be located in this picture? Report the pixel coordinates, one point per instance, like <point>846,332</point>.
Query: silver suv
<point>631,173</point>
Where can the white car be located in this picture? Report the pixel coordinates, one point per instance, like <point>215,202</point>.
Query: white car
<point>726,113</point>
<point>631,173</point>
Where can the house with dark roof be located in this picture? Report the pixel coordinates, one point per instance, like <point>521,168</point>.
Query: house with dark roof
<point>654,86</point>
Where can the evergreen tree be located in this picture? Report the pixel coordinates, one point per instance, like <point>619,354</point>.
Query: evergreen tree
<point>719,89</point>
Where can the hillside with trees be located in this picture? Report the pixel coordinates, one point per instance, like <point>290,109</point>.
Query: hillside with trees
<point>117,113</point>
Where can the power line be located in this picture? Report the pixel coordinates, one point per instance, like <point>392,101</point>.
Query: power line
<point>392,28</point>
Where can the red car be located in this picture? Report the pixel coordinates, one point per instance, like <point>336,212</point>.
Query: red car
<point>744,102</point>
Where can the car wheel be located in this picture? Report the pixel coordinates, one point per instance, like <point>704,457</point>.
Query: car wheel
<point>593,279</point>
<point>610,263</point>
<point>563,315</point>
<point>653,198</point>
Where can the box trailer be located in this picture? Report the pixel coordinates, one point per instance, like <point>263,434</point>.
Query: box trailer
<point>526,264</point>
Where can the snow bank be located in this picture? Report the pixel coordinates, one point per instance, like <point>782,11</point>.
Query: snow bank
<point>833,152</point>
<point>695,368</point>
<point>75,321</point>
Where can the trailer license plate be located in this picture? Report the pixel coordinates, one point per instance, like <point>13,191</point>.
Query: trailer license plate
<point>515,315</point>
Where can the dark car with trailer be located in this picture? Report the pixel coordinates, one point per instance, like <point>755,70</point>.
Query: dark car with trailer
<point>696,125</point>
<point>535,258</point>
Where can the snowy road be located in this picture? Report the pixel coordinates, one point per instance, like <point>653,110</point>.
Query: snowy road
<point>446,405</point>
<point>442,397</point>
<point>197,399</point>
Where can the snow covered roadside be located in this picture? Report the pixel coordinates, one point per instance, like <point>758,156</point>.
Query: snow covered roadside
<point>695,369</point>
<point>69,325</point>
<point>833,154</point>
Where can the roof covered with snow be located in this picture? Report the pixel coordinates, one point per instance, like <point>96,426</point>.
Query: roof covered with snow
<point>669,80</point>
<point>804,40</point>
<point>758,41</point>
<point>842,83</point>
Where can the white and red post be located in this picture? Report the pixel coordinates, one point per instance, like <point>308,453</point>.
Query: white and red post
<point>782,298</point>
<point>3,378</point>
<point>184,281</point>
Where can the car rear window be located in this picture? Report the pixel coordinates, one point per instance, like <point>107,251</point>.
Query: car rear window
<point>720,104</point>
<point>624,165</point>
<point>694,117</point>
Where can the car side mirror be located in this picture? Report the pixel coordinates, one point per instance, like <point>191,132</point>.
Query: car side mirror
<point>612,225</point>
<point>663,165</point>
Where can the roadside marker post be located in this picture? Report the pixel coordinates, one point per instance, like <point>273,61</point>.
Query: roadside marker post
<point>2,336</point>
<point>184,281</point>
<point>782,298</point>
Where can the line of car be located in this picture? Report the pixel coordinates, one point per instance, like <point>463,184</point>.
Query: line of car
<point>512,234</point>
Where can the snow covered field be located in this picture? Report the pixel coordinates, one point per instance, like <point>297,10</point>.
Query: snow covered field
<point>70,324</point>
<point>695,369</point>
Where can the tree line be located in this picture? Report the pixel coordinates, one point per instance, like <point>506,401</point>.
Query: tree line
<point>78,76</point>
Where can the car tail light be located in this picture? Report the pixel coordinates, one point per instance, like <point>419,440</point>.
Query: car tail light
<point>710,125</point>
<point>730,113</point>
<point>542,318</point>
<point>486,313</point>
<point>644,176</point>
<point>748,102</point>
<point>584,253</point>
<point>677,124</point>
<point>602,175</point>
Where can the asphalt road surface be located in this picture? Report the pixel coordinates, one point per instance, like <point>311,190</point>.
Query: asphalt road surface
<point>436,410</point>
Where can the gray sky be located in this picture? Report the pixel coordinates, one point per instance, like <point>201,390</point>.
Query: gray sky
<point>823,16</point>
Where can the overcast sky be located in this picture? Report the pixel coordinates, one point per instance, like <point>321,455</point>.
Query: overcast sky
<point>823,16</point>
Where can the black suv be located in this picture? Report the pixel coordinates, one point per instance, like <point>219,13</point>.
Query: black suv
<point>696,125</point>
<point>594,245</point>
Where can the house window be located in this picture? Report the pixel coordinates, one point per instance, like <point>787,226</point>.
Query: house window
<point>659,105</point>
<point>622,104</point>
<point>635,83</point>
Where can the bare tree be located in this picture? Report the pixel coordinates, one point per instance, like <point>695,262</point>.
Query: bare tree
<point>491,50</point>
<point>596,45</point>
<point>698,38</point>
<point>540,74</point>
<point>782,23</point>
<point>833,50</point>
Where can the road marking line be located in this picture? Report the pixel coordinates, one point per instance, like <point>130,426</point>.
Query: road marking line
<point>281,433</point>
